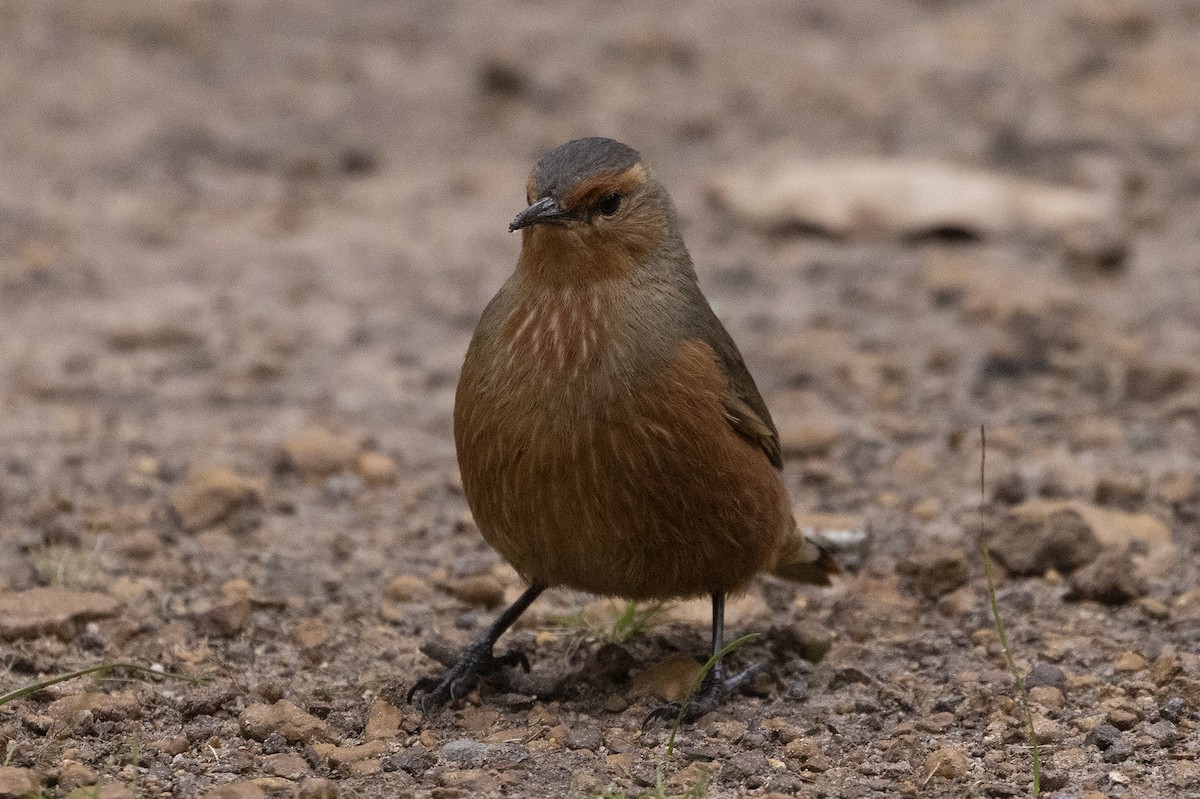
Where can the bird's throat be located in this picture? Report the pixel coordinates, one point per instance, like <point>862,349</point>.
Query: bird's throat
<point>557,255</point>
<point>561,331</point>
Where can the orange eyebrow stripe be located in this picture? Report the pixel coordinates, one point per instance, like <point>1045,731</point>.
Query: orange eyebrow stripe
<point>590,190</point>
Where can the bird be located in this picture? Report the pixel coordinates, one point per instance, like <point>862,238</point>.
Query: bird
<point>610,437</point>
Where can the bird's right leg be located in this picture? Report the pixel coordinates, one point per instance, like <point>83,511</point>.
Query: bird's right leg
<point>716,687</point>
<point>477,659</point>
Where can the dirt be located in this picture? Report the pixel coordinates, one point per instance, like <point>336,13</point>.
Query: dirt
<point>243,246</point>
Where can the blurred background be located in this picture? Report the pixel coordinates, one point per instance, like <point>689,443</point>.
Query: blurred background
<point>243,246</point>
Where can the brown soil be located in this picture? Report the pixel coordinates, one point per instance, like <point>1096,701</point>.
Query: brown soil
<point>243,246</point>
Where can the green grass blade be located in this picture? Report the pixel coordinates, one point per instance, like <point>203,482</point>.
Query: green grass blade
<point>712,661</point>
<point>103,669</point>
<point>1022,693</point>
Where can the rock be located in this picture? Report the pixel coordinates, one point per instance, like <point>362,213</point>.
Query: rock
<point>1151,381</point>
<point>699,773</point>
<point>109,790</point>
<point>245,789</point>
<point>1046,696</point>
<point>1048,730</point>
<point>1164,732</point>
<point>1103,737</point>
<point>1165,667</point>
<point>72,708</point>
<point>287,719</point>
<point>583,738</point>
<point>73,775</point>
<point>1109,579</point>
<point>1154,608</point>
<point>470,782</point>
<point>1046,674</point>
<point>803,437</point>
<point>913,464</point>
<point>406,588</point>
<point>937,723</point>
<point>744,766</point>
<point>1123,718</point>
<point>1174,709</point>
<point>935,571</point>
<point>1130,663</point>
<point>414,760</point>
<point>669,679</point>
<point>377,469</point>
<point>465,752</point>
<point>608,665</point>
<point>318,453</point>
<point>317,788</point>
<point>808,752</point>
<point>1121,490</point>
<point>175,745</point>
<point>1096,432</point>
<point>1177,488</point>
<point>228,617</point>
<point>286,764</point>
<point>163,334</point>
<point>905,198</point>
<point>343,487</point>
<point>383,721</point>
<point>141,545</point>
<point>949,762</point>
<point>345,755</point>
<point>807,638</point>
<point>480,590</point>
<point>1037,536</point>
<point>39,611</point>
<point>1117,529</point>
<point>927,510</point>
<point>311,633</point>
<point>19,783</point>
<point>1064,535</point>
<point>211,494</point>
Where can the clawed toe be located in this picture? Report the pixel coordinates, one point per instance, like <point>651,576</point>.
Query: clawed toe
<point>713,691</point>
<point>462,677</point>
<point>661,714</point>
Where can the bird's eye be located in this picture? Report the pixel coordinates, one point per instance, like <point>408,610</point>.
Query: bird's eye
<point>609,204</point>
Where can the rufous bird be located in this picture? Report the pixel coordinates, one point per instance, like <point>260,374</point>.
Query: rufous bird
<point>609,434</point>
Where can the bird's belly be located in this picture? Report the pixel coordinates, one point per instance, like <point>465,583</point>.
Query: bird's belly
<point>641,494</point>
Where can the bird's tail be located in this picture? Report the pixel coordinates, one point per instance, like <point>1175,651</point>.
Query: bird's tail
<point>803,560</point>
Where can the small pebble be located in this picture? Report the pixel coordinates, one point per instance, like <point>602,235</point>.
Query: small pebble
<point>1046,674</point>
<point>949,762</point>
<point>1130,663</point>
<point>1173,709</point>
<point>1103,737</point>
<point>1046,696</point>
<point>1164,732</point>
<point>480,590</point>
<point>318,788</point>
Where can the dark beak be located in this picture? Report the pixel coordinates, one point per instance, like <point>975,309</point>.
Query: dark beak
<point>546,209</point>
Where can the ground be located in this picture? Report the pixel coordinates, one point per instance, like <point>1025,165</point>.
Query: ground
<point>243,246</point>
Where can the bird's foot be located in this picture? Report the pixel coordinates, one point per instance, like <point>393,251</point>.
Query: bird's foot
<point>712,692</point>
<point>476,661</point>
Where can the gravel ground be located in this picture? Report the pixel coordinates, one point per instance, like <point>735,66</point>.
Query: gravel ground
<point>243,246</point>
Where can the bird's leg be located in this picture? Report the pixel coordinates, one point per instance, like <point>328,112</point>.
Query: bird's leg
<point>477,659</point>
<point>715,688</point>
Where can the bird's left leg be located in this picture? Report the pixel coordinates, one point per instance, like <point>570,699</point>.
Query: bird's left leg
<point>477,659</point>
<point>716,687</point>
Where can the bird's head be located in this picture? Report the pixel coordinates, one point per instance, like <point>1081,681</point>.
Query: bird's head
<point>595,211</point>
